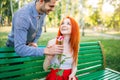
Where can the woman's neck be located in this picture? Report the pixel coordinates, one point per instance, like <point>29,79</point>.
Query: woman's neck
<point>66,43</point>
<point>66,39</point>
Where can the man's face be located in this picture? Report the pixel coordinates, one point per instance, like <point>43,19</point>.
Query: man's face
<point>48,6</point>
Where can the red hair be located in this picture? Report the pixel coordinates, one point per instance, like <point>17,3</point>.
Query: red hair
<point>74,38</point>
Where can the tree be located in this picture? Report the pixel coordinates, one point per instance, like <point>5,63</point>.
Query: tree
<point>6,11</point>
<point>113,21</point>
<point>11,6</point>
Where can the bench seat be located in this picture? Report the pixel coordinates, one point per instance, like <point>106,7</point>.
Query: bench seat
<point>106,74</point>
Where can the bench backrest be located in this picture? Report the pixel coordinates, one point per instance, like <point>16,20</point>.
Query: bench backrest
<point>15,67</point>
<point>90,58</point>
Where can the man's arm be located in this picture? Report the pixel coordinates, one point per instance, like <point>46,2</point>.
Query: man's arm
<point>20,37</point>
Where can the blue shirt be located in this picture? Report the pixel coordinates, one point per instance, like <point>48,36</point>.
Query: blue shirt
<point>26,27</point>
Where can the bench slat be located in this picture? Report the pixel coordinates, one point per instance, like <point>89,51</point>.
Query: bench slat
<point>87,75</point>
<point>94,75</point>
<point>6,49</point>
<point>81,66</point>
<point>97,58</point>
<point>21,59</point>
<point>8,55</point>
<point>11,49</point>
<point>90,51</point>
<point>89,43</point>
<point>89,47</point>
<point>20,72</point>
<point>37,76</point>
<point>110,76</point>
<point>20,66</point>
<point>89,55</point>
<point>102,74</point>
<point>88,70</point>
<point>116,77</point>
<point>99,75</point>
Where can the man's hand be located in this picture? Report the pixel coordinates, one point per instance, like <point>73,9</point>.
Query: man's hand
<point>33,44</point>
<point>54,49</point>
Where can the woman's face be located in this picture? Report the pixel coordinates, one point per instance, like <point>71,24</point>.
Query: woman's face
<point>65,27</point>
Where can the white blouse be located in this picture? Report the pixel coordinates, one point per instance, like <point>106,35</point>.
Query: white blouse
<point>67,63</point>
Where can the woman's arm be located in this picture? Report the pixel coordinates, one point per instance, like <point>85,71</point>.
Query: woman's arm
<point>73,73</point>
<point>48,58</point>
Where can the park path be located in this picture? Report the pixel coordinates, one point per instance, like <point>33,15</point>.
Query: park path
<point>94,33</point>
<point>108,35</point>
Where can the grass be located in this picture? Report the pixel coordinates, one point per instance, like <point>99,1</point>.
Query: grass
<point>3,38</point>
<point>112,51</point>
<point>111,46</point>
<point>46,37</point>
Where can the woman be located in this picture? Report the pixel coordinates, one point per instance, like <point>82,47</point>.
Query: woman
<point>67,64</point>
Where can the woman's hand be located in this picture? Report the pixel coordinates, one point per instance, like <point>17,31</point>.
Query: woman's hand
<point>72,77</point>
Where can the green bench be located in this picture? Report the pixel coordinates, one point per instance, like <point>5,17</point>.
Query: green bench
<point>91,65</point>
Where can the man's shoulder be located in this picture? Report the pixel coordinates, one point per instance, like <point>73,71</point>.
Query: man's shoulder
<point>25,11</point>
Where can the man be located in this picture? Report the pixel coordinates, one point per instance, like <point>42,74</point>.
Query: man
<point>27,27</point>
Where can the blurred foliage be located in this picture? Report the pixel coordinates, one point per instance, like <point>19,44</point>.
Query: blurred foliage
<point>87,15</point>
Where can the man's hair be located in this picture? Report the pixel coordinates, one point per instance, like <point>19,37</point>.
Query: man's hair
<point>44,0</point>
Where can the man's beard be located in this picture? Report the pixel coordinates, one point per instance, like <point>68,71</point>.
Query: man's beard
<point>43,10</point>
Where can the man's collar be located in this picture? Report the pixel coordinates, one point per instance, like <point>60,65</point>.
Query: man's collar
<point>34,11</point>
